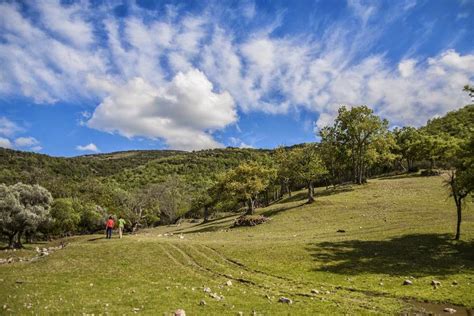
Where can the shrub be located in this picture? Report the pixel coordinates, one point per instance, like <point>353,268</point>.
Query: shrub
<point>250,220</point>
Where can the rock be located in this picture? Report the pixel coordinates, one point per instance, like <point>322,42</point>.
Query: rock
<point>435,283</point>
<point>207,290</point>
<point>455,283</point>
<point>240,314</point>
<point>202,303</point>
<point>228,283</point>
<point>314,291</point>
<point>407,282</point>
<point>135,309</point>
<point>179,312</point>
<point>341,231</point>
<point>215,296</point>
<point>92,284</point>
<point>381,283</point>
<point>285,300</point>
<point>449,310</point>
<point>181,236</point>
<point>328,292</point>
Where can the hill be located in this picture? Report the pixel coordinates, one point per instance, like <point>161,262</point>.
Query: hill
<point>348,253</point>
<point>459,123</point>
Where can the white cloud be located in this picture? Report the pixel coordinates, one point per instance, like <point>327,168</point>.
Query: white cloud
<point>407,67</point>
<point>89,147</point>
<point>5,143</point>
<point>66,21</point>
<point>26,142</point>
<point>180,78</point>
<point>7,127</point>
<point>182,113</point>
<point>236,142</point>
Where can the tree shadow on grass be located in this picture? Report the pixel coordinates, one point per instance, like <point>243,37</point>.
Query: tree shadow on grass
<point>319,193</point>
<point>278,210</point>
<point>400,176</point>
<point>416,255</point>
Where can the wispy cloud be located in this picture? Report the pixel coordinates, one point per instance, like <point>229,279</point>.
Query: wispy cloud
<point>180,77</point>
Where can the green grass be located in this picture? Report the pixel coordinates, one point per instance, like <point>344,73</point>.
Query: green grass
<point>395,228</point>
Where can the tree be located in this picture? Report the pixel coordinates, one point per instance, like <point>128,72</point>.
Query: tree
<point>332,153</point>
<point>435,147</point>
<point>65,217</point>
<point>307,165</point>
<point>408,145</point>
<point>461,179</point>
<point>284,171</point>
<point>22,207</point>
<point>245,182</point>
<point>357,129</point>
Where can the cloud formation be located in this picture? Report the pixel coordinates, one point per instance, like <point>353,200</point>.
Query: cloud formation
<point>89,147</point>
<point>181,113</point>
<point>181,77</point>
<point>9,129</point>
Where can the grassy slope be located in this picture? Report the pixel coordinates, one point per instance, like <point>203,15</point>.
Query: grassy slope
<point>395,228</point>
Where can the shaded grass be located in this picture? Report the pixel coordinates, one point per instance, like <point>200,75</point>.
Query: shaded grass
<point>395,229</point>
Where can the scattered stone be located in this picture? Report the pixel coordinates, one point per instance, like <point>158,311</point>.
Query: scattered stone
<point>181,237</point>
<point>435,283</point>
<point>341,231</point>
<point>202,303</point>
<point>328,292</point>
<point>215,296</point>
<point>381,283</point>
<point>407,282</point>
<point>228,283</point>
<point>455,283</point>
<point>449,310</point>
<point>207,290</point>
<point>92,284</point>
<point>240,314</point>
<point>285,300</point>
<point>180,312</point>
<point>314,291</point>
<point>135,310</point>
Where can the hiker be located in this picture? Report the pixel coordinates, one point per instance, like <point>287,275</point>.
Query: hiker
<point>108,227</point>
<point>121,224</point>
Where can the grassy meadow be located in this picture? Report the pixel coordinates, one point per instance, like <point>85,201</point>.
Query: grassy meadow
<point>395,228</point>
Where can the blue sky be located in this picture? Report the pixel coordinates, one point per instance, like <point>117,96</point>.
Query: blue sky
<point>85,77</point>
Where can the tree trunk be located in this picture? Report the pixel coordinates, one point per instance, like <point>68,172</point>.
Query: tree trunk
<point>250,206</point>
<point>11,240</point>
<point>206,214</point>
<point>18,243</point>
<point>459,211</point>
<point>310,192</point>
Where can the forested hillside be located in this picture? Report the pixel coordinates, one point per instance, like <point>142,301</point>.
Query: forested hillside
<point>159,186</point>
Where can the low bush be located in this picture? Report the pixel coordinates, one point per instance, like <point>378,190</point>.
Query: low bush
<point>250,220</point>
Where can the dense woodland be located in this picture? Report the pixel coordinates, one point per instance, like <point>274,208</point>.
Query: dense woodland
<point>43,196</point>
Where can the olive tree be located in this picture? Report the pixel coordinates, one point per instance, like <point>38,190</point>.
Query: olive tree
<point>22,208</point>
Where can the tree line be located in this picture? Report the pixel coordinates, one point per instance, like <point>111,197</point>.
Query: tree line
<point>357,146</point>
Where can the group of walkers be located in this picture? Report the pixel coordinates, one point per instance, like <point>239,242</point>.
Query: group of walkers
<point>110,224</point>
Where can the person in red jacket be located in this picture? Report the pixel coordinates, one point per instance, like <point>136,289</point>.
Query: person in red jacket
<point>109,226</point>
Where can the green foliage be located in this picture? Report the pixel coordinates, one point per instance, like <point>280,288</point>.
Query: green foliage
<point>458,124</point>
<point>245,182</point>
<point>65,217</point>
<point>23,208</point>
<point>361,138</point>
